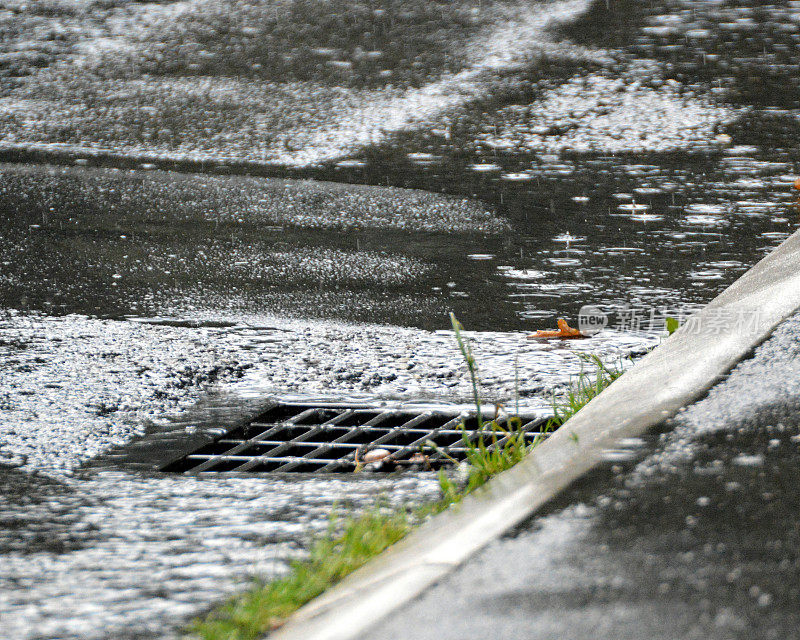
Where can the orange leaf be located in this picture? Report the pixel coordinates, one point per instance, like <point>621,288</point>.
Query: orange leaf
<point>564,331</point>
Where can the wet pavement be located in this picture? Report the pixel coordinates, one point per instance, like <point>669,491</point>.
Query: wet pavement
<point>288,83</point>
<point>111,554</point>
<point>74,387</point>
<point>698,538</point>
<point>207,203</point>
<point>91,549</point>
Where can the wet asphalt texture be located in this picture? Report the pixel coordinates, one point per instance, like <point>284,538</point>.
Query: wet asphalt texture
<point>392,161</point>
<point>697,538</point>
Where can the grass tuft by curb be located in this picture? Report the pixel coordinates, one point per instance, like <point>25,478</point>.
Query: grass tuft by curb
<point>581,392</point>
<point>349,545</point>
<point>267,605</point>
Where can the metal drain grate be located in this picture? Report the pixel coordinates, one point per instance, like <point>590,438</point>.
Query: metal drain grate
<point>308,438</point>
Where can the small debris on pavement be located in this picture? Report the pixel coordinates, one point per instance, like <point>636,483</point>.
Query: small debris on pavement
<point>376,455</point>
<point>564,331</point>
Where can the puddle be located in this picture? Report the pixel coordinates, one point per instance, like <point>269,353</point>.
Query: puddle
<point>542,254</point>
<point>574,243</point>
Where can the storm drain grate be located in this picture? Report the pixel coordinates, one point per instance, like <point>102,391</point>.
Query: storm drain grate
<point>306,438</point>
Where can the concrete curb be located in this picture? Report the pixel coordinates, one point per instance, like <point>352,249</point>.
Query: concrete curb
<point>674,374</point>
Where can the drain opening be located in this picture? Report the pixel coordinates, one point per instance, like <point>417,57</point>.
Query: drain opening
<point>310,438</point>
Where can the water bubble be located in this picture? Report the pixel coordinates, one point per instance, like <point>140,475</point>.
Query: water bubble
<point>633,207</point>
<point>521,274</point>
<point>423,158</point>
<point>350,164</point>
<point>485,167</point>
<point>645,217</point>
<point>516,177</point>
<point>744,460</point>
<point>706,221</point>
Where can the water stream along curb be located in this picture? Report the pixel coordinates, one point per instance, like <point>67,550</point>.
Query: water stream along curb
<point>673,375</point>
